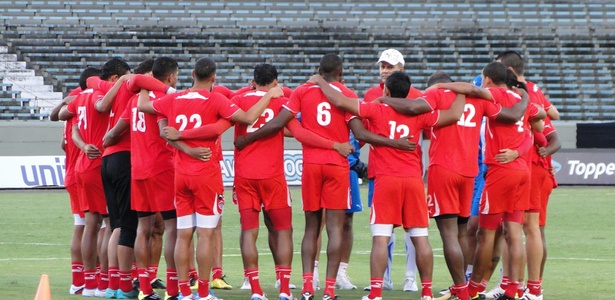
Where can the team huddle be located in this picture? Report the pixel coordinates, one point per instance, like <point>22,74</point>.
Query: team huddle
<point>143,158</point>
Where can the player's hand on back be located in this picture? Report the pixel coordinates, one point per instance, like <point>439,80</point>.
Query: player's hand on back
<point>91,151</point>
<point>276,92</point>
<point>506,156</point>
<point>344,149</point>
<point>315,79</point>
<point>404,143</point>
<point>171,134</point>
<point>542,151</point>
<point>240,142</point>
<point>200,153</point>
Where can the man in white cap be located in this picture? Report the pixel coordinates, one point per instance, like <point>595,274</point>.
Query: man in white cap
<point>392,60</point>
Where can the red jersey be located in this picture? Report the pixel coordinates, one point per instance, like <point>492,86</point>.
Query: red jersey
<point>386,122</point>
<point>323,118</point>
<point>263,158</point>
<point>92,126</point>
<point>222,90</point>
<point>149,153</point>
<point>544,162</point>
<point>287,91</point>
<point>76,91</point>
<point>122,98</point>
<point>536,96</point>
<point>500,135</point>
<point>376,92</point>
<point>191,109</point>
<point>72,153</point>
<point>454,147</point>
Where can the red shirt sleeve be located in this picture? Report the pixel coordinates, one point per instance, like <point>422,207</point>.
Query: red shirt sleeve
<point>294,103</point>
<point>72,107</point>
<point>491,109</point>
<point>163,105</point>
<point>525,146</point>
<point>98,84</point>
<point>431,97</point>
<point>75,91</point>
<point>532,110</point>
<point>222,90</point>
<point>414,93</point>
<point>307,137</point>
<point>149,83</point>
<point>227,108</point>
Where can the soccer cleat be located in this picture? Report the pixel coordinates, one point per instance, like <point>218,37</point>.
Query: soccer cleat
<point>157,284</point>
<point>111,294</point>
<point>447,296</point>
<point>327,297</point>
<point>152,296</point>
<point>221,284</point>
<point>258,297</point>
<point>409,285</point>
<point>133,294</point>
<point>495,293</point>
<point>342,282</point>
<point>100,293</point>
<point>386,286</point>
<point>504,297</point>
<point>189,297</point>
<point>443,291</point>
<point>88,292</point>
<point>136,284</point>
<point>169,297</point>
<point>307,296</point>
<point>368,298</point>
<point>275,285</point>
<point>75,290</point>
<point>480,296</point>
<point>246,284</point>
<point>426,298</point>
<point>284,296</point>
<point>528,296</point>
<point>193,282</point>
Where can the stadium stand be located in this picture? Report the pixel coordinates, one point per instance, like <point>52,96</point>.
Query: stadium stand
<point>567,44</point>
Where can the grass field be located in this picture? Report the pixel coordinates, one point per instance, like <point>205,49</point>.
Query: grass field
<point>35,229</point>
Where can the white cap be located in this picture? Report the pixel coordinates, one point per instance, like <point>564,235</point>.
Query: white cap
<point>392,56</point>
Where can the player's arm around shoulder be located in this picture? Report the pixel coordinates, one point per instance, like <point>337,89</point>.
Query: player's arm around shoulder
<point>517,111</point>
<point>336,98</point>
<point>454,113</point>
<point>251,115</point>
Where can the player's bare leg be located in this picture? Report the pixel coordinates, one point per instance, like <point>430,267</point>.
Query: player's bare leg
<point>183,256</point>
<point>424,259</point>
<point>472,229</point>
<point>205,254</point>
<point>513,236</point>
<point>335,224</point>
<point>170,228</point>
<point>217,280</point>
<point>313,220</point>
<point>155,245</point>
<point>544,251</point>
<point>142,251</point>
<point>378,258</point>
<point>453,253</point>
<point>76,259</point>
<point>485,239</point>
<point>114,269</point>
<point>533,249</point>
<point>89,250</point>
<point>342,281</point>
<point>249,252</point>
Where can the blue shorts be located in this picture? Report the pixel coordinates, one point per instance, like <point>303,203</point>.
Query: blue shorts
<point>370,191</point>
<point>355,194</point>
<point>479,184</point>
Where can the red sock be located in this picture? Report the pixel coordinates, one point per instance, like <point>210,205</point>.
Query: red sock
<point>252,275</point>
<point>216,273</point>
<point>103,282</point>
<point>114,278</point>
<point>152,270</point>
<point>284,276</point>
<point>134,273</point>
<point>483,286</point>
<point>97,272</point>
<point>193,274</point>
<point>89,278</point>
<point>534,287</point>
<point>126,281</point>
<point>511,289</point>
<point>376,284</point>
<point>307,283</point>
<point>426,290</point>
<point>505,282</point>
<point>203,288</point>
<point>184,287</point>
<point>77,273</point>
<point>473,288</point>
<point>330,287</point>
<point>144,283</point>
<point>461,291</point>
<point>172,284</point>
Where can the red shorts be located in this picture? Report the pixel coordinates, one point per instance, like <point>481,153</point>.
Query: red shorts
<point>504,190</point>
<point>325,186</point>
<point>202,194</point>
<point>91,192</point>
<point>271,193</point>
<point>399,201</point>
<point>542,185</point>
<point>73,194</point>
<point>448,193</point>
<point>154,194</point>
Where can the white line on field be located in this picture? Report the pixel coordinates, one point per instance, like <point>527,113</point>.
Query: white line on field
<point>34,244</point>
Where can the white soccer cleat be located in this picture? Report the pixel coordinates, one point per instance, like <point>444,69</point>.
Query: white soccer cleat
<point>258,297</point>
<point>246,284</point>
<point>368,298</point>
<point>426,298</point>
<point>100,294</point>
<point>495,293</point>
<point>88,292</point>
<point>342,282</point>
<point>277,285</point>
<point>528,296</point>
<point>284,296</point>
<point>409,285</point>
<point>75,290</point>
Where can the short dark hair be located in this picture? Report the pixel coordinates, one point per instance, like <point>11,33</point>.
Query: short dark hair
<point>330,63</point>
<point>398,83</point>
<point>163,67</point>
<point>512,59</point>
<point>512,81</point>
<point>145,66</point>
<point>496,71</point>
<point>87,73</point>
<point>439,77</point>
<point>265,74</point>
<point>115,66</point>
<point>204,68</point>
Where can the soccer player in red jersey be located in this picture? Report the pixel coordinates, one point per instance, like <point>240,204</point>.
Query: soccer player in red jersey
<point>151,169</point>
<point>198,184</point>
<point>325,174</point>
<point>92,126</point>
<point>391,206</point>
<point>70,183</point>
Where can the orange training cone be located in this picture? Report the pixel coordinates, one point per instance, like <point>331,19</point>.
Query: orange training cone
<point>43,292</point>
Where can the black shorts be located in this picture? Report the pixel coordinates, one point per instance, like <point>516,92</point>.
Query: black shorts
<point>116,183</point>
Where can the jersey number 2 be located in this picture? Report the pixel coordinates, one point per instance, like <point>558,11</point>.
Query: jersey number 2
<point>182,120</point>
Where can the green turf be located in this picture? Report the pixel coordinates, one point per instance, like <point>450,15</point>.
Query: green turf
<point>35,230</point>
